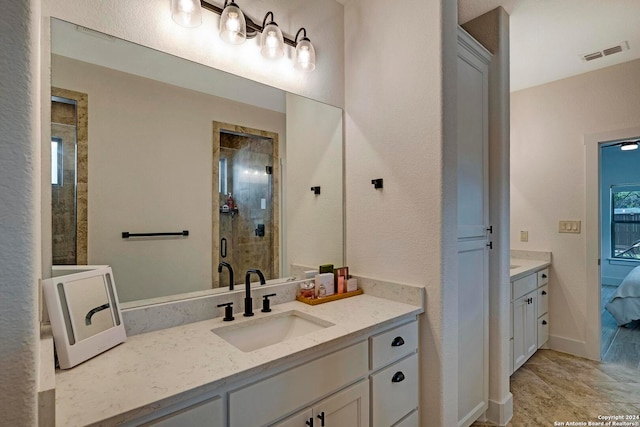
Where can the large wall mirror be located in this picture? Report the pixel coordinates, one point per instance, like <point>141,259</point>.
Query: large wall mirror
<point>165,145</point>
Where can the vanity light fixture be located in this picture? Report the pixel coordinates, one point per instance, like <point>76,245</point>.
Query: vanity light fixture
<point>305,53</point>
<point>271,40</point>
<point>233,26</point>
<point>629,145</point>
<point>187,13</point>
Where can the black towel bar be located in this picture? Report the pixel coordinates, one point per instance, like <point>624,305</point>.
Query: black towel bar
<point>126,234</point>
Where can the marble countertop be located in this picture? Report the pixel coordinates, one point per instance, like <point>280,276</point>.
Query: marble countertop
<point>161,368</point>
<point>526,267</point>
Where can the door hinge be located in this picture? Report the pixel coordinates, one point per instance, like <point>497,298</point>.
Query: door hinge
<point>490,245</point>
<point>598,261</point>
<point>490,229</point>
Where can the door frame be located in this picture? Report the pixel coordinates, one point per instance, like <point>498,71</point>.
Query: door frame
<point>592,144</point>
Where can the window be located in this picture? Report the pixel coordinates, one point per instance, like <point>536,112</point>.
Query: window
<point>56,161</point>
<point>625,221</point>
<point>222,176</point>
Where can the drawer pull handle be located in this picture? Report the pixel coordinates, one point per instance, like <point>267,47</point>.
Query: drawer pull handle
<point>310,422</point>
<point>544,276</point>
<point>398,377</point>
<point>321,418</point>
<point>544,322</point>
<point>397,342</point>
<point>544,292</point>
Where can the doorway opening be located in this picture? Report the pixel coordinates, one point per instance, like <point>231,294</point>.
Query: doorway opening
<point>620,253</point>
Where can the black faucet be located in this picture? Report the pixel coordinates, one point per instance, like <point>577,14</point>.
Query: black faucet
<point>226,264</point>
<point>248,302</point>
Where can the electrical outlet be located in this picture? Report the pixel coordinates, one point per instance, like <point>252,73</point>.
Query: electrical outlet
<point>524,236</point>
<point>569,227</point>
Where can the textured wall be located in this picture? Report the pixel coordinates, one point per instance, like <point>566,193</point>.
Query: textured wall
<point>400,126</point>
<point>548,125</point>
<point>19,207</point>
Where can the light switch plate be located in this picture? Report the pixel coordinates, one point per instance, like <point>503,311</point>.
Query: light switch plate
<point>569,227</point>
<point>524,236</point>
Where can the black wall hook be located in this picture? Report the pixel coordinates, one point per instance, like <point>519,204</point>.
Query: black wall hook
<point>377,183</point>
<point>316,190</point>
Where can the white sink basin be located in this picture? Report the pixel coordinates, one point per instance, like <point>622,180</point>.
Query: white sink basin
<point>264,331</point>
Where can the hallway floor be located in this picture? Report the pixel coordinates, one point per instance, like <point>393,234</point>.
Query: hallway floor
<point>557,387</point>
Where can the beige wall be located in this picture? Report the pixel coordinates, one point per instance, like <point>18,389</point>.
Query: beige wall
<point>150,170</point>
<point>400,126</point>
<point>548,125</point>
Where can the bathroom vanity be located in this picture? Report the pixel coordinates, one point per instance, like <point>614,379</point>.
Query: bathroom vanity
<point>529,277</point>
<point>356,365</point>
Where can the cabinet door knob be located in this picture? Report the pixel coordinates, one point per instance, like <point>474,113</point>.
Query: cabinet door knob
<point>397,342</point>
<point>398,377</point>
<point>310,422</point>
<point>321,418</point>
<point>544,322</point>
<point>544,292</point>
<point>544,276</point>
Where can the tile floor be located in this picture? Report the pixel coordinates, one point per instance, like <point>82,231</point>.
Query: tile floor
<point>557,387</point>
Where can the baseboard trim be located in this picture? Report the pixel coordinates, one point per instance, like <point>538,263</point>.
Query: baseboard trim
<point>500,413</point>
<point>566,345</point>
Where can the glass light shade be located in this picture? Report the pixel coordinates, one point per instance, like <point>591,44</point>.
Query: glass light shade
<point>628,146</point>
<point>271,42</point>
<point>305,56</point>
<point>233,26</point>
<point>187,13</point>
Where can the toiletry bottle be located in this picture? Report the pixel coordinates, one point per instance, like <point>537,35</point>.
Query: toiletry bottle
<point>230,202</point>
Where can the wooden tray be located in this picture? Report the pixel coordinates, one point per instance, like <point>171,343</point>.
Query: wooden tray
<point>334,297</point>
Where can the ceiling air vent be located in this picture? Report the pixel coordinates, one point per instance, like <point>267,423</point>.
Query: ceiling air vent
<point>605,52</point>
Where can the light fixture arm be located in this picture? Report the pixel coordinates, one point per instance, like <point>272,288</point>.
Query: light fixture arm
<point>264,21</point>
<point>252,28</point>
<point>304,37</point>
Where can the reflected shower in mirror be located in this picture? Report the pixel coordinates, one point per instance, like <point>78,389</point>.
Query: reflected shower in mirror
<point>154,165</point>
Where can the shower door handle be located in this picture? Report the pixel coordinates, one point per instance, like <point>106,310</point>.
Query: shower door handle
<point>223,247</point>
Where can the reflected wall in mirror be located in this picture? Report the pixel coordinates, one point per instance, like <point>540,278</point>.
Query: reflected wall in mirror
<point>150,165</point>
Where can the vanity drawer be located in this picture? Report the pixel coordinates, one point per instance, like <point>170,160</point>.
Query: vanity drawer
<point>543,300</point>
<point>543,330</point>
<point>394,344</point>
<point>394,392</point>
<point>209,413</point>
<point>543,277</point>
<point>260,403</point>
<point>523,286</point>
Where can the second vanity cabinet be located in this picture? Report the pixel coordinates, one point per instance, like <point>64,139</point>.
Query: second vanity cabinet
<point>530,317</point>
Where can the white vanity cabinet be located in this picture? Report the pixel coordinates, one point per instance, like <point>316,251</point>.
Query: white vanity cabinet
<point>348,408</point>
<point>530,316</point>
<point>370,383</point>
